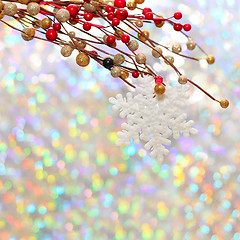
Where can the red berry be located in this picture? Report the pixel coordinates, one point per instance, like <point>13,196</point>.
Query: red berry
<point>87,1</point>
<point>177,15</point>
<point>110,16</point>
<point>115,21</point>
<point>111,39</point>
<point>87,26</point>
<point>149,15</point>
<point>177,27</point>
<point>135,74</point>
<point>51,35</point>
<point>125,38</point>
<point>158,80</point>
<point>110,9</point>
<point>57,26</point>
<point>121,14</point>
<point>120,3</point>
<point>94,53</point>
<point>146,10</point>
<point>88,16</point>
<point>187,27</point>
<point>73,9</point>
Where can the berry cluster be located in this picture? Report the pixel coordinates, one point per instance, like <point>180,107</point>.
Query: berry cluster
<point>178,26</point>
<point>91,40</point>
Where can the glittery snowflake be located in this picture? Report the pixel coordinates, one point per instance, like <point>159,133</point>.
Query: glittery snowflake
<point>153,120</point>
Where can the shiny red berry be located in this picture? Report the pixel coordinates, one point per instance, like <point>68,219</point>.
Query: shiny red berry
<point>135,74</point>
<point>51,35</point>
<point>177,15</point>
<point>120,3</point>
<point>187,27</point>
<point>115,22</point>
<point>158,80</point>
<point>110,16</point>
<point>94,53</point>
<point>110,9</point>
<point>125,38</point>
<point>111,39</point>
<point>146,10</point>
<point>88,16</point>
<point>87,1</point>
<point>73,9</point>
<point>57,26</point>
<point>87,26</point>
<point>149,15</point>
<point>177,27</point>
<point>121,14</point>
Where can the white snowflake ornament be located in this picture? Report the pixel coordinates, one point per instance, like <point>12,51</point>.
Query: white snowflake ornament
<point>153,119</point>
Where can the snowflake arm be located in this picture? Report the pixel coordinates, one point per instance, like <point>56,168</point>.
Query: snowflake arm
<point>126,105</point>
<point>180,126</point>
<point>128,134</point>
<point>157,150</point>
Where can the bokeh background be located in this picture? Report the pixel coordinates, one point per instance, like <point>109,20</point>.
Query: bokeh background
<point>61,175</point>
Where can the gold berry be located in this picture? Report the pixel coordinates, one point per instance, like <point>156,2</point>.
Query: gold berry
<point>91,7</point>
<point>73,22</point>
<point>72,34</point>
<point>66,51</point>
<point>139,23</point>
<point>191,44</point>
<point>169,60</point>
<point>46,23</point>
<point>224,103</point>
<point>157,52</point>
<point>140,1</point>
<point>210,59</point>
<point>182,79</point>
<point>10,9</point>
<point>141,58</point>
<point>143,35</point>
<point>124,74</point>
<point>23,1</point>
<point>119,59</point>
<point>116,72</point>
<point>82,59</point>
<point>176,48</point>
<point>1,5</point>
<point>33,8</point>
<point>159,24</point>
<point>118,34</point>
<point>62,15</point>
<point>131,5</point>
<point>81,44</point>
<point>28,33</point>
<point>159,89</point>
<point>2,14</point>
<point>133,45</point>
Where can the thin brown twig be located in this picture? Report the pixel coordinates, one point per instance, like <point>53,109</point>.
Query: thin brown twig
<point>28,19</point>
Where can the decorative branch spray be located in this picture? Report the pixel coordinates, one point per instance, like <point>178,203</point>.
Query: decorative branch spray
<point>153,112</point>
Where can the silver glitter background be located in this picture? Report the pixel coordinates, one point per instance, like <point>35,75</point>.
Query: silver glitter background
<point>61,175</point>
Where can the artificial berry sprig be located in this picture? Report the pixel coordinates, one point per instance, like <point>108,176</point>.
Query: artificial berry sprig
<point>92,40</point>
